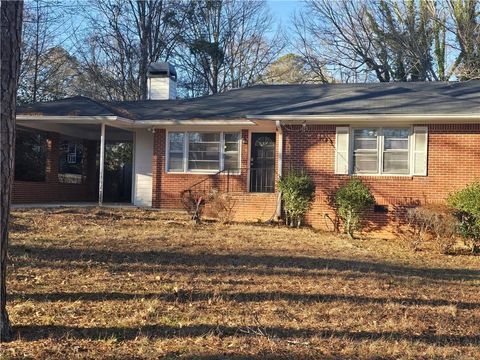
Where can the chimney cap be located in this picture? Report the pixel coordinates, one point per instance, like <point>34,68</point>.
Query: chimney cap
<point>162,69</point>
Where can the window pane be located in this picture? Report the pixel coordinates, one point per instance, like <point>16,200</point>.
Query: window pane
<point>395,156</point>
<point>204,137</point>
<point>365,151</point>
<point>395,139</point>
<point>366,163</point>
<point>229,147</point>
<point>176,142</point>
<point>395,162</point>
<point>231,161</point>
<point>175,162</point>
<point>365,139</point>
<point>232,137</point>
<point>204,151</point>
<point>203,165</point>
<point>71,161</point>
<point>203,155</point>
<point>175,147</point>
<point>204,147</point>
<point>231,158</point>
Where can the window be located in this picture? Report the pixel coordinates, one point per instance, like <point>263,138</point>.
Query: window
<point>232,151</point>
<point>176,147</point>
<point>395,151</point>
<point>365,151</point>
<point>381,151</point>
<point>203,151</point>
<point>71,161</point>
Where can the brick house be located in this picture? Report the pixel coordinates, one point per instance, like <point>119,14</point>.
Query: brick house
<point>412,143</point>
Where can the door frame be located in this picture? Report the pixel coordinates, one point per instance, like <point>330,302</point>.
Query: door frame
<point>264,131</point>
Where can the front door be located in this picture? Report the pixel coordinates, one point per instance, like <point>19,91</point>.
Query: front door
<point>262,162</point>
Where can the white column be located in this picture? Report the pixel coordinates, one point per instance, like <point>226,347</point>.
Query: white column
<point>102,161</point>
<point>278,124</point>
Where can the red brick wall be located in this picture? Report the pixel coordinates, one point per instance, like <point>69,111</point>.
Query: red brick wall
<point>25,192</point>
<point>453,162</point>
<point>167,187</point>
<point>51,190</point>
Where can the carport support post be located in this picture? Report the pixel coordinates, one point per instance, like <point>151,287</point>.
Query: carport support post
<point>102,160</point>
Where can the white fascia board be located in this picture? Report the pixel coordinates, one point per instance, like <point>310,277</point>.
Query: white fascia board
<point>68,119</point>
<point>123,122</point>
<point>193,122</point>
<point>351,119</point>
<point>109,120</point>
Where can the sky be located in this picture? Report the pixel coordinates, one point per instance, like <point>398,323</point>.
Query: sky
<point>282,10</point>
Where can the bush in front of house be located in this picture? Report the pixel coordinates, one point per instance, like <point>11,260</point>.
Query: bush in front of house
<point>194,203</point>
<point>466,206</point>
<point>352,199</point>
<point>221,206</point>
<point>436,222</point>
<point>298,193</point>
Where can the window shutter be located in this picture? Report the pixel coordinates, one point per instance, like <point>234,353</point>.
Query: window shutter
<point>341,150</point>
<point>420,150</point>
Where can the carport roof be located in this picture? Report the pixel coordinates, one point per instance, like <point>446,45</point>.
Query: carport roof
<point>74,106</point>
<point>413,98</point>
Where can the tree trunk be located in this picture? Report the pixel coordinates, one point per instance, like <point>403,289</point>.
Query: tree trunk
<point>143,34</point>
<point>11,24</point>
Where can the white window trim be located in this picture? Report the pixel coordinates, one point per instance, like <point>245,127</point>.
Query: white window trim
<point>186,149</point>
<point>380,151</point>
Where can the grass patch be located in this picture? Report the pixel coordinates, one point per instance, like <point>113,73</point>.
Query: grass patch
<point>98,283</point>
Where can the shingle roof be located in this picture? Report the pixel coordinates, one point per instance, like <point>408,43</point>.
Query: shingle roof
<point>74,106</point>
<point>306,99</point>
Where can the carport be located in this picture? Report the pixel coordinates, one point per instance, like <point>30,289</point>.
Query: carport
<point>92,134</point>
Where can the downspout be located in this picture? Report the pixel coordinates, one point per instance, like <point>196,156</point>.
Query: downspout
<point>278,124</point>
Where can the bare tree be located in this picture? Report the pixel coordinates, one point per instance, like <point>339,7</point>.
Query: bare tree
<point>406,29</point>
<point>47,68</point>
<point>120,40</point>
<point>466,20</point>
<point>226,44</point>
<point>383,40</point>
<point>10,38</point>
<point>337,35</point>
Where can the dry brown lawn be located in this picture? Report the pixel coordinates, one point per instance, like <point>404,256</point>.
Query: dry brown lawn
<point>134,284</point>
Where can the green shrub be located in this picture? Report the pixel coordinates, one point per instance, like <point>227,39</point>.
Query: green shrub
<point>466,204</point>
<point>351,201</point>
<point>298,192</point>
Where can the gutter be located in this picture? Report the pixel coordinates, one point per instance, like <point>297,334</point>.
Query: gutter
<point>358,118</point>
<point>278,125</point>
<point>70,118</point>
<point>121,121</point>
<point>200,122</point>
